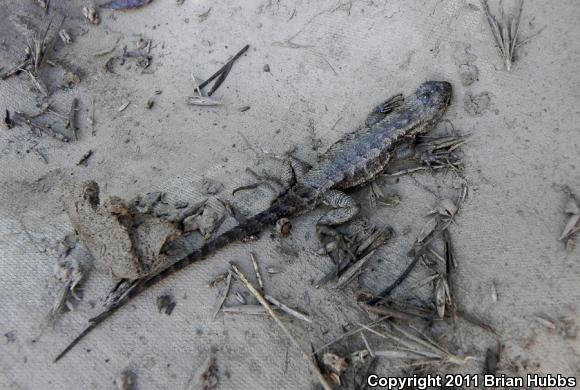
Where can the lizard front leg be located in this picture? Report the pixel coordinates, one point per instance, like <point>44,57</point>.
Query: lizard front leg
<point>381,111</point>
<point>345,208</point>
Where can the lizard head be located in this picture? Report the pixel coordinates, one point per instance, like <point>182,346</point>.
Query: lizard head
<point>434,95</point>
<point>428,104</point>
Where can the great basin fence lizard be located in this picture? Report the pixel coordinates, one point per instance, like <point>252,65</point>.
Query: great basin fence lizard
<point>352,161</point>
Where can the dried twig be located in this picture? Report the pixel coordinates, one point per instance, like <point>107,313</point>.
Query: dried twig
<point>349,333</point>
<point>245,309</point>
<point>223,72</point>
<point>224,297</point>
<point>22,118</point>
<point>572,210</point>
<point>395,284</point>
<point>287,309</point>
<point>70,122</point>
<point>257,270</point>
<point>417,346</point>
<point>274,316</point>
<point>353,271</point>
<point>91,117</point>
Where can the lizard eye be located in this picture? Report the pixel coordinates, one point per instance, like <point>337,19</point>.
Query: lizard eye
<point>424,97</point>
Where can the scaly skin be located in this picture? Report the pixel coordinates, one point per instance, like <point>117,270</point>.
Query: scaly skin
<point>352,161</point>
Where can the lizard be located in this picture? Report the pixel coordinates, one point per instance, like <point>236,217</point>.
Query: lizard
<point>355,159</point>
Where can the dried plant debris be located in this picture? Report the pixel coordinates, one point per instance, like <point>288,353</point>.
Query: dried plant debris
<point>572,211</point>
<point>222,73</point>
<point>431,152</point>
<point>439,220</point>
<point>199,99</point>
<point>127,380</point>
<point>566,327</point>
<point>65,37</point>
<point>166,303</point>
<point>336,366</point>
<point>125,4</point>
<point>202,17</point>
<point>36,52</point>
<point>141,57</point>
<point>90,13</point>
<point>207,376</point>
<point>349,244</point>
<point>263,301</point>
<point>70,79</point>
<point>416,347</point>
<point>7,122</point>
<point>377,197</point>
<point>218,279</point>
<point>123,106</point>
<point>38,126</point>
<point>43,4</point>
<point>85,158</point>
<point>442,294</point>
<point>69,273</point>
<point>505,30</point>
<point>10,337</point>
<point>388,309</point>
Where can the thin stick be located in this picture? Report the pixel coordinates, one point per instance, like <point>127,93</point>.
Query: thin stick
<point>390,312</point>
<point>287,309</point>
<point>92,116</point>
<point>353,271</point>
<point>223,299</point>
<point>396,283</point>
<point>15,69</point>
<point>350,333</point>
<point>264,303</point>
<point>257,270</point>
<point>367,345</point>
<point>223,70</point>
<point>70,123</point>
<point>245,309</point>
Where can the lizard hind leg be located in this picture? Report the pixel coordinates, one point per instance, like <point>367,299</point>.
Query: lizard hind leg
<point>381,111</point>
<point>345,208</point>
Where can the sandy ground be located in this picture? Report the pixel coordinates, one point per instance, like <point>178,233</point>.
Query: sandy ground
<point>329,60</point>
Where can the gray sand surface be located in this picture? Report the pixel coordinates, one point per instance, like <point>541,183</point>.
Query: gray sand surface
<point>330,62</point>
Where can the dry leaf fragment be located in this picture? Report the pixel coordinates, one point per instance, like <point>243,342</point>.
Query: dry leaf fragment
<point>336,363</point>
<point>427,229</point>
<point>493,292</point>
<point>202,101</point>
<point>447,209</point>
<point>65,37</point>
<point>546,322</point>
<point>91,14</point>
<point>127,380</point>
<point>442,296</point>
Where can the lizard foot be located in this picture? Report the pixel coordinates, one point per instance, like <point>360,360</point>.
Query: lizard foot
<point>345,208</point>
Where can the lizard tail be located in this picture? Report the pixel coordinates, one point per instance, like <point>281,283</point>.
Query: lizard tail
<point>285,206</point>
